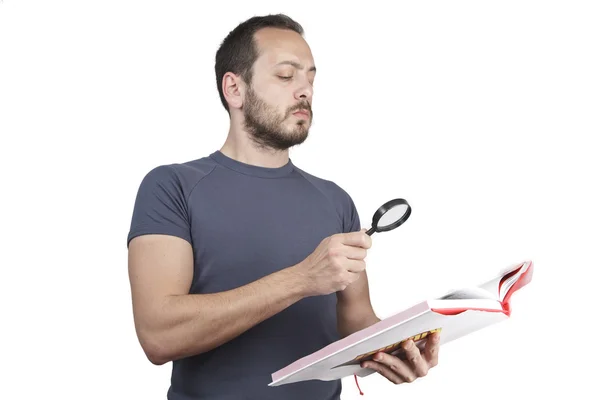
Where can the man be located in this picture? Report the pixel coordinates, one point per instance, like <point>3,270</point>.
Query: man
<point>240,262</point>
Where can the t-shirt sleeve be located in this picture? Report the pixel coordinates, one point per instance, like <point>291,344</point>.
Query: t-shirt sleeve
<point>351,216</point>
<point>160,206</point>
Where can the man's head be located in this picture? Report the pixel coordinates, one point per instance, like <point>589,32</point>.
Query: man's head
<point>265,73</point>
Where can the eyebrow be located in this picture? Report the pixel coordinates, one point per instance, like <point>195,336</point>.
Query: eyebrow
<point>297,65</point>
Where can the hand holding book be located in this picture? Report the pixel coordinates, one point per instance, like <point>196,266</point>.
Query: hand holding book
<point>408,364</point>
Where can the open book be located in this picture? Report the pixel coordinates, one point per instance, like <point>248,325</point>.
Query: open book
<point>455,314</point>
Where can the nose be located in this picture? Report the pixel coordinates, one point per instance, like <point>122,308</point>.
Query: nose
<point>305,91</point>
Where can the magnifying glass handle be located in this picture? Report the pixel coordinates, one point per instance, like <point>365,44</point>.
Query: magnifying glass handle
<point>370,231</point>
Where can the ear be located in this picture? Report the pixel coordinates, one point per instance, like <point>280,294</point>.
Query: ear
<point>233,90</point>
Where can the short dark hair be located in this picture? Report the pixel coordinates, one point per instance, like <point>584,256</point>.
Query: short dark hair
<point>238,51</point>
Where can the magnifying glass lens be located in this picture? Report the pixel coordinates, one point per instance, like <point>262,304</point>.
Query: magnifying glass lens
<point>392,216</point>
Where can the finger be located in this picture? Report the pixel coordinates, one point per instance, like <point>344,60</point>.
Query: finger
<point>354,276</point>
<point>355,266</point>
<point>384,371</point>
<point>399,367</point>
<point>432,348</point>
<point>415,361</point>
<point>359,239</point>
<point>354,252</point>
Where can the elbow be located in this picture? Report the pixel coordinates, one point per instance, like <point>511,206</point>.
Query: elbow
<point>157,358</point>
<point>155,349</point>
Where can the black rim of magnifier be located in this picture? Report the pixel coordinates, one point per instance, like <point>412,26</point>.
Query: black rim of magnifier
<point>382,210</point>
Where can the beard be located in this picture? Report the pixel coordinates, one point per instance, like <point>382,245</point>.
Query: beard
<point>267,128</point>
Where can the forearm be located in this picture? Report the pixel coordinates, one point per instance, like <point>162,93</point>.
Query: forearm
<point>192,324</point>
<point>349,323</point>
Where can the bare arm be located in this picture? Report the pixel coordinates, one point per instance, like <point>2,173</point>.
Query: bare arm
<point>172,324</point>
<point>354,309</point>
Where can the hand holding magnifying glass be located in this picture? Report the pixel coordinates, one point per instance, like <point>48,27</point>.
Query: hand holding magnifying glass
<point>390,216</point>
<point>338,260</point>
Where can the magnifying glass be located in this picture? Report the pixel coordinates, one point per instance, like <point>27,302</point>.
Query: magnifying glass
<point>390,216</point>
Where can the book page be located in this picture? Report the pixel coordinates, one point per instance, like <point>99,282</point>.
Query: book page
<point>507,284</point>
<point>469,293</point>
<point>466,304</point>
<point>493,285</point>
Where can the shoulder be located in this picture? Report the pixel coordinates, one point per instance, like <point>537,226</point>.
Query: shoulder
<point>339,198</point>
<point>178,177</point>
<point>329,188</point>
<point>161,204</point>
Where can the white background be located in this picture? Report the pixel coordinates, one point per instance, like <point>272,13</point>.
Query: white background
<point>483,115</point>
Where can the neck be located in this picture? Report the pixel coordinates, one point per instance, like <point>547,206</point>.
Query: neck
<point>240,147</point>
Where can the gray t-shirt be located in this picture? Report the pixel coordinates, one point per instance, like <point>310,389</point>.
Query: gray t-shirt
<point>245,222</point>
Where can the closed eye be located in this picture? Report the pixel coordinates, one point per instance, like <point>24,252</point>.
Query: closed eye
<point>285,78</point>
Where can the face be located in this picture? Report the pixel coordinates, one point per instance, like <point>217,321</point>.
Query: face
<point>278,104</point>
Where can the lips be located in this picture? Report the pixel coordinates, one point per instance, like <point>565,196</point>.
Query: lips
<point>302,112</point>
